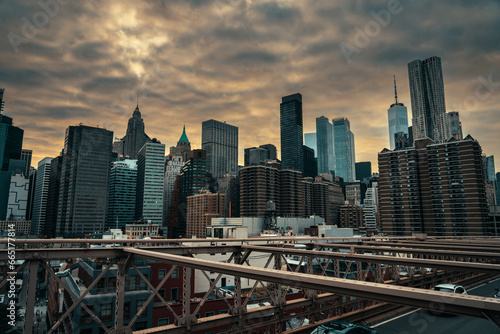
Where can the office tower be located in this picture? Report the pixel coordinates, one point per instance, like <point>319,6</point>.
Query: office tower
<point>327,198</point>
<point>11,142</point>
<point>220,141</point>
<point>307,183</point>
<point>398,118</point>
<point>26,155</point>
<point>310,141</point>
<point>489,176</point>
<point>433,188</point>
<point>355,192</point>
<point>229,185</point>
<point>31,194</point>
<point>122,193</point>
<point>401,141</point>
<point>258,155</point>
<point>291,193</point>
<point>150,174</point>
<point>18,197</point>
<point>83,192</point>
<point>310,162</point>
<point>53,197</point>
<point>172,170</point>
<point>134,139</point>
<point>41,194</point>
<point>453,125</point>
<point>363,171</point>
<point>291,132</point>
<point>258,185</point>
<point>497,188</point>
<point>325,145</point>
<point>201,208</point>
<point>371,208</point>
<point>191,181</point>
<point>344,149</point>
<point>427,99</point>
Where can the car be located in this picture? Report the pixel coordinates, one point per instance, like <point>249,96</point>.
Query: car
<point>342,327</point>
<point>450,288</point>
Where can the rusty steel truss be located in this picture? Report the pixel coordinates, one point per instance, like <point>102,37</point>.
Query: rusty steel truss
<point>375,266</point>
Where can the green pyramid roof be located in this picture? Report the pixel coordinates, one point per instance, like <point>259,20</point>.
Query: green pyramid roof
<point>184,137</point>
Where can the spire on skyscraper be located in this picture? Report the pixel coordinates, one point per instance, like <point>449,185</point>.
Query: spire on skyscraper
<point>395,89</point>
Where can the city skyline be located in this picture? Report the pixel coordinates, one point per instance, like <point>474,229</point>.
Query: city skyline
<point>56,79</point>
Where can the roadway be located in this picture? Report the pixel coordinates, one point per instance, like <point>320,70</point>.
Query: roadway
<point>420,321</point>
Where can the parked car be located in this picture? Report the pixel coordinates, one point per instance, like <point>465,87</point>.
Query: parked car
<point>342,327</point>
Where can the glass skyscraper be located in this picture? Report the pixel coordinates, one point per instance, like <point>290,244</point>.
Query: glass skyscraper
<point>150,174</point>
<point>220,141</point>
<point>41,194</point>
<point>427,99</point>
<point>398,119</point>
<point>310,141</point>
<point>122,192</point>
<point>291,124</point>
<point>325,145</point>
<point>344,149</point>
<point>83,192</point>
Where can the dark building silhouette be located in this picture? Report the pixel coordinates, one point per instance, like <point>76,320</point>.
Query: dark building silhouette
<point>220,141</point>
<point>310,162</point>
<point>83,192</point>
<point>364,171</point>
<point>53,197</point>
<point>134,139</point>
<point>258,155</point>
<point>438,189</point>
<point>291,125</point>
<point>26,155</point>
<point>258,185</point>
<point>192,179</point>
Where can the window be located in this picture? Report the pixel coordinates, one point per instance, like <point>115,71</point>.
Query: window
<point>209,314</point>
<point>85,318</point>
<point>142,283</point>
<point>174,294</point>
<point>162,273</point>
<point>106,312</point>
<point>126,310</point>
<point>163,321</point>
<point>141,325</point>
<point>223,311</point>
<point>175,273</point>
<point>132,283</point>
<point>162,293</point>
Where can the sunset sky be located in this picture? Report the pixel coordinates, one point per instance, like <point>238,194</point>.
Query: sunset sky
<point>232,60</point>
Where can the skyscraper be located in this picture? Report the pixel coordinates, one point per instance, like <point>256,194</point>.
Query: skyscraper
<point>220,141</point>
<point>427,99</point>
<point>150,174</point>
<point>26,155</point>
<point>122,192</point>
<point>453,125</point>
<point>201,208</point>
<point>135,138</point>
<point>291,125</point>
<point>325,145</point>
<point>83,192</point>
<point>344,149</point>
<point>53,197</point>
<point>41,194</point>
<point>258,155</point>
<point>398,118</point>
<point>363,171</point>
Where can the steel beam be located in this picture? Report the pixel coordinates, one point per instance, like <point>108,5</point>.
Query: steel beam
<point>451,265</point>
<point>468,305</point>
<point>420,251</point>
<point>435,246</point>
<point>31,296</point>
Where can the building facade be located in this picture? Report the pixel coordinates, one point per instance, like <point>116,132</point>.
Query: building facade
<point>201,208</point>
<point>220,141</point>
<point>149,188</point>
<point>258,185</point>
<point>433,188</point>
<point>122,193</point>
<point>83,192</point>
<point>325,145</point>
<point>291,127</point>
<point>134,139</point>
<point>345,156</point>
<point>427,99</point>
<point>41,194</point>
<point>453,125</point>
<point>310,140</point>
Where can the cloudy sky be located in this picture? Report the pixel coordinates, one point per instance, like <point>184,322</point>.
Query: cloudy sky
<point>67,62</point>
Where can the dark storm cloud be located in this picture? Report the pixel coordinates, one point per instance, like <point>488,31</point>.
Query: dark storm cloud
<point>233,60</point>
